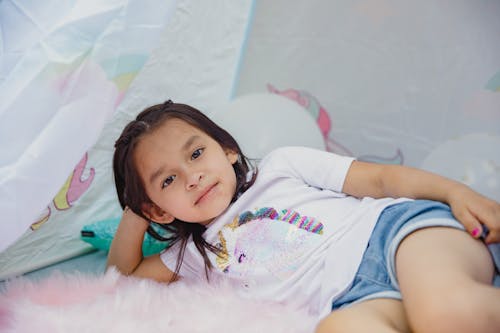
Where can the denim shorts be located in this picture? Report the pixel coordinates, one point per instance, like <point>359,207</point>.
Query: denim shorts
<point>376,276</point>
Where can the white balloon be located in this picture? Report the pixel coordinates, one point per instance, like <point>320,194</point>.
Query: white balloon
<point>263,122</point>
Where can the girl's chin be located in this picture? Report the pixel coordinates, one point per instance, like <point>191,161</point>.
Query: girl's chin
<point>215,214</point>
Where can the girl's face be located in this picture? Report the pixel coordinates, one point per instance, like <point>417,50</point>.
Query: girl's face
<point>186,173</point>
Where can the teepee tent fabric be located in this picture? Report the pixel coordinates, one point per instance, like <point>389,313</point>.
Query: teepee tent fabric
<point>406,82</point>
<point>65,89</point>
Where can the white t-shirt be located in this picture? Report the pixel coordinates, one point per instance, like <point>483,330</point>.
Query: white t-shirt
<point>292,237</point>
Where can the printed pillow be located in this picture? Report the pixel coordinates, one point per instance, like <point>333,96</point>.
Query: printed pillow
<point>101,233</point>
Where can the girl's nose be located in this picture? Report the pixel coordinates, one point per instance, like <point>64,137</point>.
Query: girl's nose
<point>194,180</point>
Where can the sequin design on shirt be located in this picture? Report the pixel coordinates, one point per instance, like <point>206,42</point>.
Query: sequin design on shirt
<point>266,239</point>
<point>286,215</point>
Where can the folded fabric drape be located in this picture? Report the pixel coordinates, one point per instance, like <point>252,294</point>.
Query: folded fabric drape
<point>64,69</point>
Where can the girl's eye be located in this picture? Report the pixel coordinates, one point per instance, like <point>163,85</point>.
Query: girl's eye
<point>167,181</point>
<point>197,153</point>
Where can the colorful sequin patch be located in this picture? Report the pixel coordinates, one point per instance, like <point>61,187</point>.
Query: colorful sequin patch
<point>306,223</point>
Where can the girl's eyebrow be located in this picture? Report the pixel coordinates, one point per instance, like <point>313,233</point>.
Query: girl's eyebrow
<point>189,142</point>
<point>155,175</point>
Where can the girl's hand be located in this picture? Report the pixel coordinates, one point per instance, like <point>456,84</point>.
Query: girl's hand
<point>130,217</point>
<point>475,212</point>
<point>125,251</point>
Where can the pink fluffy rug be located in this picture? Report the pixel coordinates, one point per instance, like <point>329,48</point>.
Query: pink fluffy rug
<point>114,303</point>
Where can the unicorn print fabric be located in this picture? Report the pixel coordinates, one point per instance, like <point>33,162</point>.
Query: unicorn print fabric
<point>293,245</point>
<point>253,239</point>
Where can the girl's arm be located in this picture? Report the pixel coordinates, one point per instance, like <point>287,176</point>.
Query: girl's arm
<point>469,207</point>
<point>125,252</point>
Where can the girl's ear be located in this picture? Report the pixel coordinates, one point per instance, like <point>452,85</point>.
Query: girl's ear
<point>232,156</point>
<point>156,214</point>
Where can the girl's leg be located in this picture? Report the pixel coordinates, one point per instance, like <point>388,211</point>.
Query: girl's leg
<point>376,315</point>
<point>445,279</point>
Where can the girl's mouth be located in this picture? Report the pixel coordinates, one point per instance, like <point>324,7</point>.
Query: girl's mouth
<point>206,193</point>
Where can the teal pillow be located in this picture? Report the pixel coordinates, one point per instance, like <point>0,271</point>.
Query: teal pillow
<point>101,233</point>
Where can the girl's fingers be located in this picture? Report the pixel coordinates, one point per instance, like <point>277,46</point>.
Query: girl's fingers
<point>489,216</point>
<point>492,237</point>
<point>470,222</point>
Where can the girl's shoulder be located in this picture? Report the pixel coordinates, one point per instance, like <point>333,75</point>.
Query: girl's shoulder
<point>313,166</point>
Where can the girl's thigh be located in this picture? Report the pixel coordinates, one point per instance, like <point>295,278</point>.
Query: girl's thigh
<point>382,315</point>
<point>445,279</point>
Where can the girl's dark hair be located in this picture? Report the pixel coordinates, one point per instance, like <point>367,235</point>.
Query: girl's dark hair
<point>129,185</point>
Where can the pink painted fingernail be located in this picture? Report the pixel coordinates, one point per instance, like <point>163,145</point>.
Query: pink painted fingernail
<point>475,232</point>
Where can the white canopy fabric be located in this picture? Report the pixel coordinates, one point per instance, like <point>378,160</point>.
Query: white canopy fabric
<point>59,83</point>
<point>72,74</point>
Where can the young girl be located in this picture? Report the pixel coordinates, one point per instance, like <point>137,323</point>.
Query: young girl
<point>309,228</point>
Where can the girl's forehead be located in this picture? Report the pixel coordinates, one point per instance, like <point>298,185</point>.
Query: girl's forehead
<point>174,130</point>
<point>175,124</point>
<point>173,135</point>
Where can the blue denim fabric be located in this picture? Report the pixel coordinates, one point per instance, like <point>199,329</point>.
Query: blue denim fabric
<point>376,274</point>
